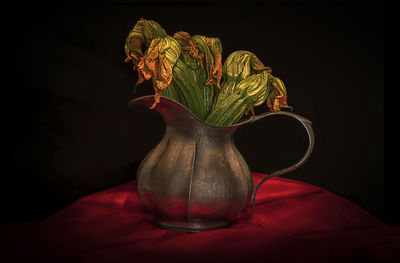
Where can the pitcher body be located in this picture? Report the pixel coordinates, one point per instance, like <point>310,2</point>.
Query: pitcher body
<point>195,178</point>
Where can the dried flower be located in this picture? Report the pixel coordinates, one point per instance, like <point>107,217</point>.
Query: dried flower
<point>189,70</point>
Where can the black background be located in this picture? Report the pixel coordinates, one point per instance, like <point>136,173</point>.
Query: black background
<point>70,133</point>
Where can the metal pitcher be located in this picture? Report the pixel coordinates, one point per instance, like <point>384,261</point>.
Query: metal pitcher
<point>195,179</point>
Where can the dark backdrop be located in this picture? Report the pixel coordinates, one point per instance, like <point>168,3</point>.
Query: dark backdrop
<point>70,133</point>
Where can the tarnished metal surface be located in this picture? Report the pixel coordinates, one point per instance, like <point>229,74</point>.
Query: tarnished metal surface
<point>194,179</point>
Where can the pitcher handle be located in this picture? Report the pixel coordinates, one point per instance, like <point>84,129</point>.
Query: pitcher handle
<point>307,124</point>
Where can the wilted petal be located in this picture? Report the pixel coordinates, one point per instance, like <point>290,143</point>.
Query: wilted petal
<point>210,52</point>
<point>157,63</point>
<point>171,49</point>
<point>216,70</point>
<point>254,88</point>
<point>143,32</point>
<point>242,64</point>
<point>187,44</point>
<point>280,96</point>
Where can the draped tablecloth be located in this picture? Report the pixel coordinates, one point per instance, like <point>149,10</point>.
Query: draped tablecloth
<point>292,222</point>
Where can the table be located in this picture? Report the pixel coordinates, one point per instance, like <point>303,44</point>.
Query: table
<point>292,222</point>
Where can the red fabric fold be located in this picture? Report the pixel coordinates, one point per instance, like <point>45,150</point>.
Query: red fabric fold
<point>292,222</point>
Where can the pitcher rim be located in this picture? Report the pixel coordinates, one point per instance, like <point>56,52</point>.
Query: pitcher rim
<point>133,101</point>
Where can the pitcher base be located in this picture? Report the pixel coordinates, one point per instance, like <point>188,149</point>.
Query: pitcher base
<point>191,226</point>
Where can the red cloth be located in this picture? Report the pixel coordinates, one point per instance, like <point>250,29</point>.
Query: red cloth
<point>292,222</point>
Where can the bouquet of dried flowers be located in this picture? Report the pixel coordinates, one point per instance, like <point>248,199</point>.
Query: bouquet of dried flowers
<point>189,70</point>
